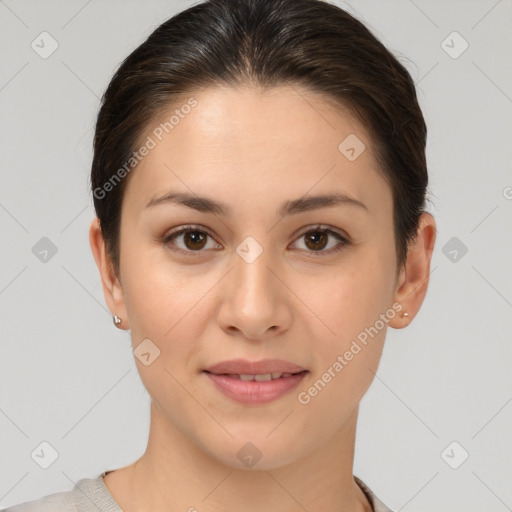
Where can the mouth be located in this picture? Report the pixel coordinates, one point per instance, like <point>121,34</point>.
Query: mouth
<point>262,377</point>
<point>263,368</point>
<point>255,382</point>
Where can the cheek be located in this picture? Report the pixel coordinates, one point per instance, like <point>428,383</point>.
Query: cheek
<point>163,305</point>
<point>350,299</point>
<point>354,304</point>
<point>351,305</point>
<point>169,304</point>
<point>156,291</point>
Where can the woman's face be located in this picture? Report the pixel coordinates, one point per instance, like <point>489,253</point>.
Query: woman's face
<point>256,278</point>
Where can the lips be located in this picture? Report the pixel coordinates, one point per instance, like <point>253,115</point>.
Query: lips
<point>255,382</point>
<point>268,369</point>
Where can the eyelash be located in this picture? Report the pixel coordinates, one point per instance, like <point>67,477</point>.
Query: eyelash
<point>318,228</point>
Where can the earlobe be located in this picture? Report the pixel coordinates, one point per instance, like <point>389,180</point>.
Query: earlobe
<point>414,277</point>
<point>112,289</point>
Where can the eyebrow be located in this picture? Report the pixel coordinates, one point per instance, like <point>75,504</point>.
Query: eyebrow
<point>291,207</point>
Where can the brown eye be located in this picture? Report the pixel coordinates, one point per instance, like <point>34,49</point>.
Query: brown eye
<point>192,240</point>
<point>316,240</point>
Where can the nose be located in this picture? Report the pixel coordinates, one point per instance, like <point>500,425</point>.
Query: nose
<point>255,302</point>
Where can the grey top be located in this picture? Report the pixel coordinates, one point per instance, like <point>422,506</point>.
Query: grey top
<point>91,495</point>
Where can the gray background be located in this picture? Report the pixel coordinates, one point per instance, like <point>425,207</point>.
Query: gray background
<point>67,375</point>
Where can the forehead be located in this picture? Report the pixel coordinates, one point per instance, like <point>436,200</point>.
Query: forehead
<point>249,142</point>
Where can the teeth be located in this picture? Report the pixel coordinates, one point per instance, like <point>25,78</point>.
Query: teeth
<point>246,377</point>
<point>267,376</point>
<point>264,377</point>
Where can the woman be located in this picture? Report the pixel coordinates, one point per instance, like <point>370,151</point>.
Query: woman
<point>259,179</point>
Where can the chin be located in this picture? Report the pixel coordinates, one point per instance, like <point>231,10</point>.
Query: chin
<point>253,451</point>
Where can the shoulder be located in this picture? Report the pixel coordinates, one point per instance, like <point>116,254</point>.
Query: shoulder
<point>88,495</point>
<point>376,503</point>
<point>58,502</point>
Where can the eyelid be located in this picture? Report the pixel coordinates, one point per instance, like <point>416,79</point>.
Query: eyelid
<point>323,227</point>
<point>168,237</point>
<point>344,239</point>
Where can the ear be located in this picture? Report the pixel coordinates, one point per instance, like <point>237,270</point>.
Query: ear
<point>112,289</point>
<point>414,276</point>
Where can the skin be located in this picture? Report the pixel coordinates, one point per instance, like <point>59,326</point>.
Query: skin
<point>253,150</point>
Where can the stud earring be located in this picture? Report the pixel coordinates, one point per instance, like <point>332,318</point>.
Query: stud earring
<point>116,320</point>
<point>404,314</point>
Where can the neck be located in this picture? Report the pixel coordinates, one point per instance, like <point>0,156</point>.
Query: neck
<point>176,474</point>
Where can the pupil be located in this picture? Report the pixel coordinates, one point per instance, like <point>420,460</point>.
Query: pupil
<point>317,239</point>
<point>195,237</point>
